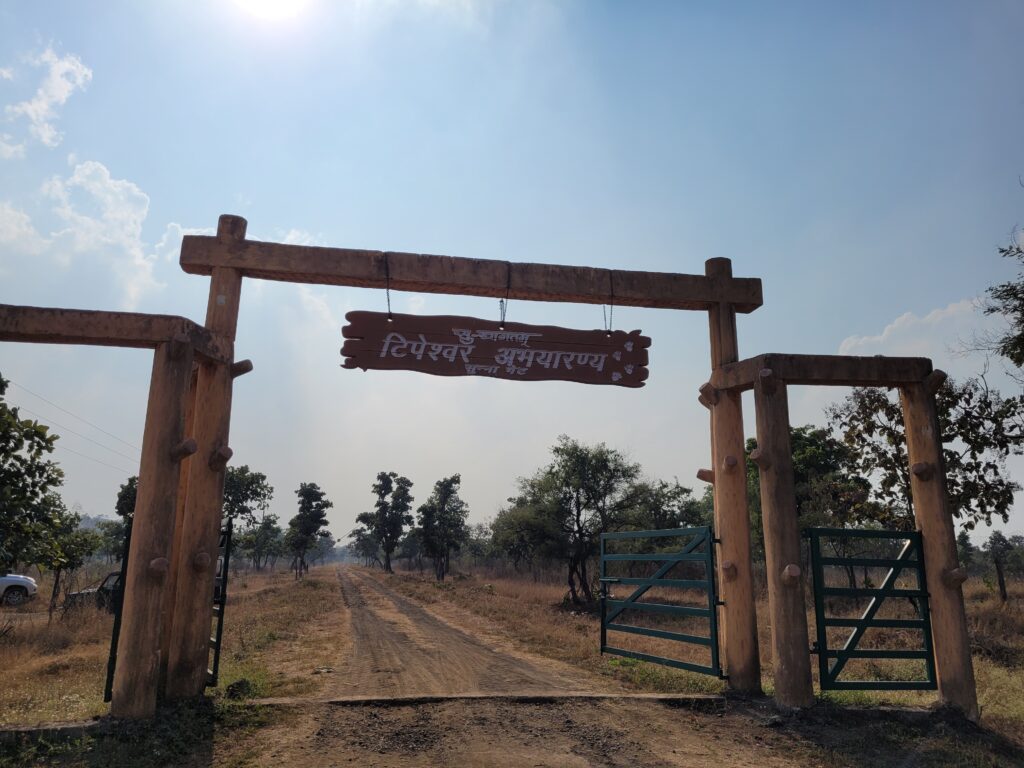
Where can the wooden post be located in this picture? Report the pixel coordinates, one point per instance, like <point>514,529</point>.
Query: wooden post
<point>138,663</point>
<point>791,661</point>
<point>179,529</point>
<point>732,521</point>
<point>188,648</point>
<point>953,666</point>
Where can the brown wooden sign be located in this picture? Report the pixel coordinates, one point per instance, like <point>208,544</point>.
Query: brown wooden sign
<point>446,345</point>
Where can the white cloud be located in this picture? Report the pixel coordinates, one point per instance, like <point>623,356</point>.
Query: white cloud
<point>169,246</point>
<point>299,237</point>
<point>914,335</point>
<point>64,75</point>
<point>17,232</point>
<point>104,218</point>
<point>9,149</point>
<point>317,306</point>
<point>6,73</point>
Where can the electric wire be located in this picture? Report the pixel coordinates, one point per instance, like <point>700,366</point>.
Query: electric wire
<point>79,434</point>
<point>90,458</point>
<point>65,410</point>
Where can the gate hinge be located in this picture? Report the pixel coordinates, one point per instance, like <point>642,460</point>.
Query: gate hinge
<point>722,677</point>
<point>716,541</point>
<point>720,602</point>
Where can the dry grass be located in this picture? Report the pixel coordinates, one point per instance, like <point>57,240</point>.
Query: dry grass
<point>55,671</point>
<point>534,612</point>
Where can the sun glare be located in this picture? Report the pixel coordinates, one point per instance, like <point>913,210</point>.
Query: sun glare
<point>273,10</point>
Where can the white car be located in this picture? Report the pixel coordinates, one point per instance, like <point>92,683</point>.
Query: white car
<point>15,590</point>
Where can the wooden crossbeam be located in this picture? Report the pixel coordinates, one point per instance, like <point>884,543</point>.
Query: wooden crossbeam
<point>108,329</point>
<point>827,370</point>
<point>470,277</point>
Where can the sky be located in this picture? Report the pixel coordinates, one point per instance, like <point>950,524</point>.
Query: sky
<point>862,159</point>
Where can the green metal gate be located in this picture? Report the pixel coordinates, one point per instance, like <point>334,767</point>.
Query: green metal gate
<point>220,599</point>
<point>677,549</point>
<point>907,562</point>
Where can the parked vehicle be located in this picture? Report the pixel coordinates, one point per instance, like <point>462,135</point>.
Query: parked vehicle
<point>15,589</point>
<point>104,596</point>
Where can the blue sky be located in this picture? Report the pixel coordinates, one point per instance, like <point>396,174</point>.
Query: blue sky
<point>862,159</point>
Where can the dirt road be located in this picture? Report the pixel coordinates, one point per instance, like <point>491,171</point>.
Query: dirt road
<point>398,648</point>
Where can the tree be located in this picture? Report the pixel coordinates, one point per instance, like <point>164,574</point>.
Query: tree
<point>30,509</point>
<point>390,515</point>
<point>66,548</point>
<point>967,552</point>
<point>126,495</point>
<point>659,504</point>
<point>308,526</point>
<point>262,542</point>
<point>245,493</point>
<point>111,539</point>
<point>979,430</point>
<point>442,521</point>
<point>1007,300</point>
<point>998,548</point>
<point>585,491</point>
<point>365,546</point>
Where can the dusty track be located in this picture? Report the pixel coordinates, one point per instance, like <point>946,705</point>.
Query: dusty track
<point>399,648</point>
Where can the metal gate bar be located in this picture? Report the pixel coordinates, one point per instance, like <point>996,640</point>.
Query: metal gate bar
<point>611,609</point>
<point>910,558</point>
<point>115,633</point>
<point>220,598</point>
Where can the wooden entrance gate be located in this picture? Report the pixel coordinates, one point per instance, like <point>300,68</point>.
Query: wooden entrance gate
<point>663,566</point>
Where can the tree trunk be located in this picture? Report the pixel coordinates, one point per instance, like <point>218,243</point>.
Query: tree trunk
<point>1001,578</point>
<point>56,593</point>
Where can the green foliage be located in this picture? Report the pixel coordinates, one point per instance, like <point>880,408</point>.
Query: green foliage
<point>111,539</point>
<point>245,493</point>
<point>309,525</point>
<point>1007,299</point>
<point>366,547</point>
<point>391,513</point>
<point>979,429</point>
<point>562,510</point>
<point>126,495</point>
<point>262,542</point>
<point>442,524</point>
<point>30,508</point>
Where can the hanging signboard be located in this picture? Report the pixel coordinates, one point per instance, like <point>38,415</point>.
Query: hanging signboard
<point>465,346</point>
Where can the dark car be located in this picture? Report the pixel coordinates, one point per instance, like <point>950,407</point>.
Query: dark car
<point>104,596</point>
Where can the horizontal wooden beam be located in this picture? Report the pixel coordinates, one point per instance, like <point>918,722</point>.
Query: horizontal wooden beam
<point>48,325</point>
<point>827,370</point>
<point>470,277</point>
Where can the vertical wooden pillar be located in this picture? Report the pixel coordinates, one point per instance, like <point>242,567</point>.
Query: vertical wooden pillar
<point>953,666</point>
<point>179,529</point>
<point>188,648</point>
<point>732,520</point>
<point>138,663</point>
<point>791,661</point>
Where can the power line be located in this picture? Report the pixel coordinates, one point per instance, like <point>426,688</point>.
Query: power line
<point>84,437</point>
<point>69,413</point>
<point>90,458</point>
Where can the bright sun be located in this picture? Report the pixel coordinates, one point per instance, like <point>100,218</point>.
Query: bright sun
<point>273,10</point>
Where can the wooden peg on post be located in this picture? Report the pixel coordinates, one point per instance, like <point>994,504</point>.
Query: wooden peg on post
<point>791,665</point>
<point>933,381</point>
<point>729,570</point>
<point>922,470</point>
<point>729,463</point>
<point>707,475</point>
<point>738,620</point>
<point>760,459</point>
<point>709,393</point>
<point>954,577</point>
<point>953,666</point>
<point>791,575</point>
<point>241,368</point>
<point>183,449</point>
<point>220,458</point>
